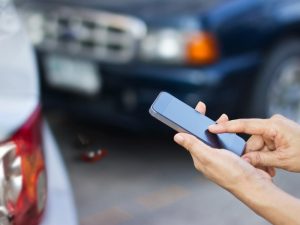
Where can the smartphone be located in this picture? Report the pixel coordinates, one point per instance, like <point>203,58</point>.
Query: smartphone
<point>183,118</point>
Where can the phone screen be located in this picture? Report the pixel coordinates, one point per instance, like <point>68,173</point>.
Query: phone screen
<point>184,118</point>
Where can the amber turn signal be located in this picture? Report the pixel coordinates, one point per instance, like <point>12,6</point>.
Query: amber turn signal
<point>201,49</point>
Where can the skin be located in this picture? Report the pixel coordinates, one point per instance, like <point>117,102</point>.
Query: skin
<point>275,142</point>
<point>250,178</point>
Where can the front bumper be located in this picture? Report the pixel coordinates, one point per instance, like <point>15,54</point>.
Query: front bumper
<point>128,91</point>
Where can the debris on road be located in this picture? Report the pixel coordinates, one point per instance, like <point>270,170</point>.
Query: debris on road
<point>94,156</point>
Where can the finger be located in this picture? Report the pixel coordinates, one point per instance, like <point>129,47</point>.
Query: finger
<point>194,146</point>
<point>223,118</point>
<point>201,108</point>
<point>248,126</point>
<point>264,168</point>
<point>271,171</point>
<point>269,143</point>
<point>254,143</point>
<point>263,158</point>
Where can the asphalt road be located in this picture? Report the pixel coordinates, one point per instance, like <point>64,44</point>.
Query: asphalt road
<point>146,180</point>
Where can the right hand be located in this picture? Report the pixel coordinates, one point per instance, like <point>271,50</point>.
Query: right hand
<point>220,166</point>
<point>275,142</point>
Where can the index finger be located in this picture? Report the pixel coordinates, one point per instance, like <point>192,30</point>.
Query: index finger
<point>247,126</point>
<point>201,108</point>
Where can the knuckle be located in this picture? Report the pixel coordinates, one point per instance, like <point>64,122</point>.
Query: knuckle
<point>230,125</point>
<point>240,125</point>
<point>226,125</point>
<point>282,156</point>
<point>190,144</point>
<point>276,117</point>
<point>284,164</point>
<point>271,129</point>
<point>187,144</point>
<point>257,158</point>
<point>193,145</point>
<point>272,132</point>
<point>283,159</point>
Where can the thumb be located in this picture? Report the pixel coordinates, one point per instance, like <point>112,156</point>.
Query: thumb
<point>259,158</point>
<point>192,144</point>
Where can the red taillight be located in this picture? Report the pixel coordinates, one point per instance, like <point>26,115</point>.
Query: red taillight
<point>24,171</point>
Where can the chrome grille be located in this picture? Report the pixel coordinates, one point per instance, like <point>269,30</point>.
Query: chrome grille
<point>89,33</point>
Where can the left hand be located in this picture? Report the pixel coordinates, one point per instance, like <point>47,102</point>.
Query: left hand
<point>220,166</point>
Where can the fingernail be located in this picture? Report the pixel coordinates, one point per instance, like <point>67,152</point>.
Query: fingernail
<point>246,159</point>
<point>224,116</point>
<point>213,127</point>
<point>178,138</point>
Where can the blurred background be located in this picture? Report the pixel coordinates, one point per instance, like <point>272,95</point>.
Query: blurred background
<point>101,63</point>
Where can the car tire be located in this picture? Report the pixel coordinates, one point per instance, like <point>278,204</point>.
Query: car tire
<point>274,86</point>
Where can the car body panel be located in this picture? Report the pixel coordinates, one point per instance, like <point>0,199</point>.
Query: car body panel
<point>19,87</point>
<point>60,208</point>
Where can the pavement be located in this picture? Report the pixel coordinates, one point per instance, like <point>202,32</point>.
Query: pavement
<point>146,179</point>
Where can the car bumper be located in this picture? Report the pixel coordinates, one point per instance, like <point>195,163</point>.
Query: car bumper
<point>60,208</point>
<point>128,91</point>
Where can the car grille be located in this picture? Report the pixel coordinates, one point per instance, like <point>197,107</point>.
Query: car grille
<point>88,33</point>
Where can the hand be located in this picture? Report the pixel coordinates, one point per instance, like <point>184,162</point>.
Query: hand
<point>274,142</point>
<point>221,166</point>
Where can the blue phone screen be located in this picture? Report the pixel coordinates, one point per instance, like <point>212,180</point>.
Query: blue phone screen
<point>192,121</point>
<point>195,123</point>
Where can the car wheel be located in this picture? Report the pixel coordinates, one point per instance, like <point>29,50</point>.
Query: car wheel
<point>277,88</point>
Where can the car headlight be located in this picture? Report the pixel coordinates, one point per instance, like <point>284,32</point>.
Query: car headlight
<point>179,47</point>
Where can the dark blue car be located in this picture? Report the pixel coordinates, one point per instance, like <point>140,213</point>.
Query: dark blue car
<point>107,60</point>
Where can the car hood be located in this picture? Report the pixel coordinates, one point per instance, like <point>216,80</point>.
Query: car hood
<point>145,9</point>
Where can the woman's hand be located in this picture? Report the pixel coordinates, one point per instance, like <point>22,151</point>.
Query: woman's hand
<point>275,142</point>
<point>221,166</point>
<point>251,185</point>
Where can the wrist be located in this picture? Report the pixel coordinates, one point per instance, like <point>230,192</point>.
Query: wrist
<point>268,201</point>
<point>253,189</point>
